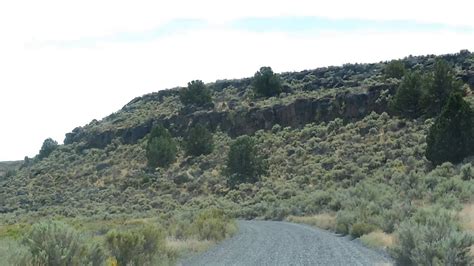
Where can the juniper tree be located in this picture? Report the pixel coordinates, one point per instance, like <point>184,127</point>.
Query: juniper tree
<point>244,165</point>
<point>450,138</point>
<point>196,94</point>
<point>266,83</point>
<point>199,141</point>
<point>161,148</point>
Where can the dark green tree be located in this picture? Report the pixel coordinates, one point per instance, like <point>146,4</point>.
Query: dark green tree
<point>244,165</point>
<point>199,141</point>
<point>196,94</point>
<point>395,69</point>
<point>407,100</point>
<point>441,84</point>
<point>161,148</point>
<point>450,138</point>
<point>49,145</point>
<point>266,83</point>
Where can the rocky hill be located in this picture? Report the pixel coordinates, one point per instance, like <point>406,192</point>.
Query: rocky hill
<point>343,148</point>
<point>349,92</point>
<point>327,137</point>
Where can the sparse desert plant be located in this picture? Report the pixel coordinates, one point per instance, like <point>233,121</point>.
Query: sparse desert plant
<point>181,228</point>
<point>213,224</point>
<point>360,229</point>
<point>467,172</point>
<point>55,243</point>
<point>96,254</point>
<point>377,239</point>
<point>190,245</point>
<point>139,246</point>
<point>344,221</point>
<point>432,237</point>
<point>324,221</point>
<point>12,252</point>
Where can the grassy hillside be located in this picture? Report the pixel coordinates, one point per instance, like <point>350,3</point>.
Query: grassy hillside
<point>349,158</point>
<point>9,168</point>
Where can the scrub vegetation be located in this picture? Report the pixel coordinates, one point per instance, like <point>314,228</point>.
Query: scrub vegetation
<point>399,176</point>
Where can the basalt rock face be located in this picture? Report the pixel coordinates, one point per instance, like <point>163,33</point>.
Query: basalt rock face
<point>234,118</point>
<point>347,106</point>
<point>468,78</point>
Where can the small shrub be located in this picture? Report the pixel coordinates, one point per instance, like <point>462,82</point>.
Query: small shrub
<point>181,229</point>
<point>467,172</point>
<point>266,83</point>
<point>360,229</point>
<point>277,212</point>
<point>344,221</point>
<point>199,141</point>
<point>136,246</point>
<point>432,237</point>
<point>213,224</point>
<point>324,221</point>
<point>161,148</point>
<point>124,246</point>
<point>377,239</point>
<point>96,254</point>
<point>55,243</point>
<point>12,252</point>
<point>391,217</point>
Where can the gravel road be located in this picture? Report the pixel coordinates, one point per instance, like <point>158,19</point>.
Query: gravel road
<point>282,243</point>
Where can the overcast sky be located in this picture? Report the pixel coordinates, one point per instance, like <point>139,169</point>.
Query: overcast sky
<point>64,63</point>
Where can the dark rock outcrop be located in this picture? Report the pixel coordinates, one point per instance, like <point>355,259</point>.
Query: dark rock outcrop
<point>347,106</point>
<point>468,77</point>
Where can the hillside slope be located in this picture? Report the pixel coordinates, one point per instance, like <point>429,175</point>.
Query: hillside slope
<point>100,169</point>
<point>9,168</point>
<point>329,140</point>
<point>332,149</point>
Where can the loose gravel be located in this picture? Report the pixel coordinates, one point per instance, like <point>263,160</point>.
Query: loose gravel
<point>282,243</point>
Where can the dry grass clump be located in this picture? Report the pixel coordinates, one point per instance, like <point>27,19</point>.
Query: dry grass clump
<point>466,216</point>
<point>326,221</point>
<point>378,239</point>
<point>188,246</point>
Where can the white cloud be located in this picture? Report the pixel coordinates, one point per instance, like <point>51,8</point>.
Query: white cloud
<point>47,91</point>
<point>28,20</point>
